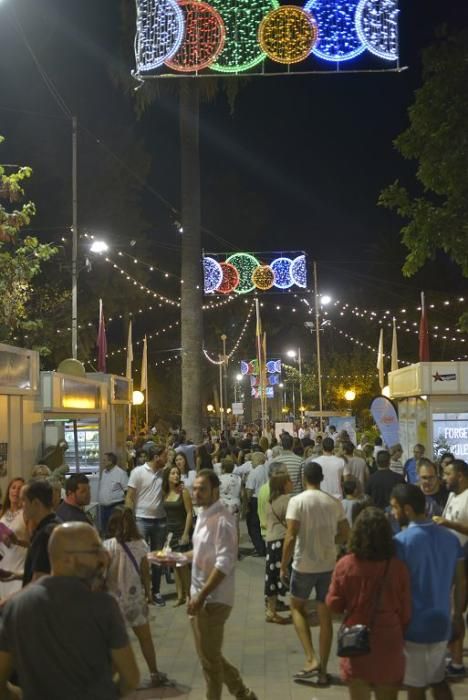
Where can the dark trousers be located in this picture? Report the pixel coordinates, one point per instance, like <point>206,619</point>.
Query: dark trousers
<point>154,531</point>
<point>253,527</point>
<point>104,514</point>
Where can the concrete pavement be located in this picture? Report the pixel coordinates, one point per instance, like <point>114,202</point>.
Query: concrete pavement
<point>266,654</point>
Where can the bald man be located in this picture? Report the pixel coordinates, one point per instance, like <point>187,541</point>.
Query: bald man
<point>63,634</point>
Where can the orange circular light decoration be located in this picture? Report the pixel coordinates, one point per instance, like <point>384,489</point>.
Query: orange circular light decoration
<point>204,37</point>
<point>230,278</point>
<point>288,34</point>
<point>263,277</point>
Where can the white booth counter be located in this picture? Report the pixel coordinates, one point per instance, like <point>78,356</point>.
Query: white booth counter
<point>432,402</point>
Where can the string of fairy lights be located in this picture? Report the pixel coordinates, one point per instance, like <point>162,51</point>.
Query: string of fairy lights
<point>236,344</point>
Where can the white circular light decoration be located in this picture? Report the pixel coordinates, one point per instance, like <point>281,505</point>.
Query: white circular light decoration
<point>212,274</point>
<point>299,271</point>
<point>377,27</point>
<point>338,39</point>
<point>160,30</point>
<point>282,270</point>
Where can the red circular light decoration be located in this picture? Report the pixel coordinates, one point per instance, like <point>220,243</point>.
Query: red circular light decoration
<point>230,278</point>
<point>204,37</point>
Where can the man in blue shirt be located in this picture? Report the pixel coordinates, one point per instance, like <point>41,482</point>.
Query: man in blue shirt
<point>410,470</point>
<point>434,558</point>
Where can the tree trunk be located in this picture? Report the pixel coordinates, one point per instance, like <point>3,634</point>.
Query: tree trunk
<point>191,289</point>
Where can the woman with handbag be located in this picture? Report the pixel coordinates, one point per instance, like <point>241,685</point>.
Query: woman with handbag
<point>372,587</point>
<point>281,488</point>
<point>128,579</point>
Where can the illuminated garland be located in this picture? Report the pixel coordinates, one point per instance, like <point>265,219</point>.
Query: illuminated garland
<point>377,27</point>
<point>242,273</point>
<point>338,38</point>
<point>203,40</point>
<point>236,344</point>
<point>288,34</point>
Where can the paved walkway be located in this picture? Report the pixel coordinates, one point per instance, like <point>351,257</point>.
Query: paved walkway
<point>266,654</point>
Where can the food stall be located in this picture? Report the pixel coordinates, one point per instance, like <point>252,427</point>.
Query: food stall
<point>432,401</point>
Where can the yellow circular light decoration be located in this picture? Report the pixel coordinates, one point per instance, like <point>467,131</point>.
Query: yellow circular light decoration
<point>263,277</point>
<point>288,34</point>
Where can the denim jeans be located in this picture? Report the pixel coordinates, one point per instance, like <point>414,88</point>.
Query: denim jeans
<point>154,531</point>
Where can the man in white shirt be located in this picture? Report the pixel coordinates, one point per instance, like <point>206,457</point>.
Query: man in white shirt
<point>455,518</point>
<point>213,558</point>
<point>145,498</point>
<point>113,483</point>
<point>333,469</point>
<point>316,524</point>
<point>355,467</point>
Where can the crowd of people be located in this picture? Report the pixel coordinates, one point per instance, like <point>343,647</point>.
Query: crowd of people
<point>379,541</point>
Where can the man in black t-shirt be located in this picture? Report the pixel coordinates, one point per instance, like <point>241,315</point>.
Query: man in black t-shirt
<point>380,484</point>
<point>37,506</point>
<point>77,496</point>
<point>62,635</point>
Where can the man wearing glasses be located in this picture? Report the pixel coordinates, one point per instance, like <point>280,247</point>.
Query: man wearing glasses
<point>64,635</point>
<point>432,487</point>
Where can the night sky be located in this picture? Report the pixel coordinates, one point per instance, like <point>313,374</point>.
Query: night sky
<point>297,164</point>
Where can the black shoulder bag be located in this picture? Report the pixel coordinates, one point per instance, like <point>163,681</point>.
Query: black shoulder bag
<point>355,639</point>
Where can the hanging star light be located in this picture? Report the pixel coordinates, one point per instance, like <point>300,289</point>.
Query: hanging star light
<point>160,30</point>
<point>282,270</point>
<point>203,40</point>
<point>245,263</point>
<point>212,274</point>
<point>377,27</point>
<point>288,34</point>
<point>242,19</point>
<point>263,277</point>
<point>230,280</point>
<point>338,39</point>
<point>299,271</point>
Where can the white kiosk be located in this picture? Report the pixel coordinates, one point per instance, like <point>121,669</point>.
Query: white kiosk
<point>432,401</point>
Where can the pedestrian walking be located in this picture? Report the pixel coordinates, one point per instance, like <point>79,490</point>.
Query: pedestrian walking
<point>113,482</point>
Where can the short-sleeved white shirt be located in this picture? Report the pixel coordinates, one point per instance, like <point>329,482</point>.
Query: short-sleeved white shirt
<point>112,486</point>
<point>456,510</point>
<point>148,492</point>
<point>318,515</point>
<point>256,478</point>
<point>333,469</point>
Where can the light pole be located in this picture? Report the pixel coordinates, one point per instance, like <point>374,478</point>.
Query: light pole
<point>350,395</point>
<point>294,354</point>
<point>74,320</point>
<point>225,377</point>
<point>239,378</point>
<point>318,300</point>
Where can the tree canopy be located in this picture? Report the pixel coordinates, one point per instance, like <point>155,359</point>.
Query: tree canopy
<point>437,138</point>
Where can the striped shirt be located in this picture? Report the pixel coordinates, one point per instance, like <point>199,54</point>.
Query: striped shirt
<point>293,463</point>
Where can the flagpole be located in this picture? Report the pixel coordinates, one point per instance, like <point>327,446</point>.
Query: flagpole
<point>259,359</point>
<point>128,372</point>
<point>380,360</point>
<point>394,362</point>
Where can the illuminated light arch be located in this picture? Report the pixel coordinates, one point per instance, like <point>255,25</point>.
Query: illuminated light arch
<point>338,39</point>
<point>212,274</point>
<point>299,271</point>
<point>160,30</point>
<point>241,19</point>
<point>288,34</point>
<point>203,39</point>
<point>245,263</point>
<point>230,279</point>
<point>282,270</point>
<point>377,27</point>
<point>263,277</point>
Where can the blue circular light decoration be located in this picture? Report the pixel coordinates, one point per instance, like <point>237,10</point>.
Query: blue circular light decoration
<point>377,27</point>
<point>299,271</point>
<point>338,39</point>
<point>282,270</point>
<point>212,274</point>
<point>160,30</point>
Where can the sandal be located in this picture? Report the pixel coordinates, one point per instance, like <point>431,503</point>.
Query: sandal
<point>277,619</point>
<point>179,602</point>
<point>159,679</point>
<point>306,675</point>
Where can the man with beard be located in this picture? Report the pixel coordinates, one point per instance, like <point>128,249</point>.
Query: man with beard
<point>63,635</point>
<point>434,490</point>
<point>435,561</point>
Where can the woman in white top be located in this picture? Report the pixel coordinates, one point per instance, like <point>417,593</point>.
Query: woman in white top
<point>13,551</point>
<point>230,487</point>
<point>128,579</point>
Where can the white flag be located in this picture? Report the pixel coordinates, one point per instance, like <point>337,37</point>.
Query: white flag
<point>128,373</point>
<point>394,365</point>
<point>144,367</point>
<point>380,360</point>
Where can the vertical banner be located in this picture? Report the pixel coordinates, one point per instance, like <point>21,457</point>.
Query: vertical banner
<point>385,415</point>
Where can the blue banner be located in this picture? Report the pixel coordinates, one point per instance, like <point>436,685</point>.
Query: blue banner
<point>385,415</point>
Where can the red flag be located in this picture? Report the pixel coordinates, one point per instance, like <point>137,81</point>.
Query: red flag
<point>423,333</point>
<point>101,341</point>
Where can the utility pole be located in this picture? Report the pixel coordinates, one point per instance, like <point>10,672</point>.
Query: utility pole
<point>74,323</point>
<point>299,362</point>
<point>221,394</point>
<point>225,376</point>
<point>317,336</point>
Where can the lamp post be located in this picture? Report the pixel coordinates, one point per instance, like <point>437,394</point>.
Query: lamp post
<point>239,378</point>
<point>318,301</point>
<point>294,354</point>
<point>350,395</point>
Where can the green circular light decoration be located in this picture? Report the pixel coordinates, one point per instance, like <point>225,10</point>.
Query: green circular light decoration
<point>242,20</point>
<point>245,264</point>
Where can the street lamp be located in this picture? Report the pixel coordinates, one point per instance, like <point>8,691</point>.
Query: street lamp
<point>350,395</point>
<point>294,354</point>
<point>239,378</point>
<point>210,408</point>
<point>99,247</point>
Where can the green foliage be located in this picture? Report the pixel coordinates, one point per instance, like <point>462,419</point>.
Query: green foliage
<point>438,139</point>
<point>20,258</point>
